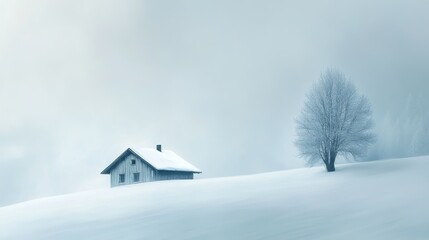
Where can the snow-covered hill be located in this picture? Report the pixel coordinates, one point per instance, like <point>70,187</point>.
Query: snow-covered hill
<point>376,200</point>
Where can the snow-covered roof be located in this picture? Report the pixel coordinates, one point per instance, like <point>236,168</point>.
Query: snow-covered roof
<point>165,160</point>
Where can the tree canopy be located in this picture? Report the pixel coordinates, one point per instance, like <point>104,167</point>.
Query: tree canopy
<point>336,120</point>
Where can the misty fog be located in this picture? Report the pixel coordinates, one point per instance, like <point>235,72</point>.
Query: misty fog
<point>220,83</point>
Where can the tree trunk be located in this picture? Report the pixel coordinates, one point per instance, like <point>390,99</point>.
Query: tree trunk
<point>330,165</point>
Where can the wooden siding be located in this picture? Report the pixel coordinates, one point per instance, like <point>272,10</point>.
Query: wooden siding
<point>170,175</point>
<point>147,172</point>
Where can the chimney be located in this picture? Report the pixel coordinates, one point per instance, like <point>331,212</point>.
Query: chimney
<point>158,147</point>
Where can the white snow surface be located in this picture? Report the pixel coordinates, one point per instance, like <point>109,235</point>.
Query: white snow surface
<point>165,160</point>
<point>374,200</point>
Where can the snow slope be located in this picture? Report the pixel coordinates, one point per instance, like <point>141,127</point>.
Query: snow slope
<point>376,200</point>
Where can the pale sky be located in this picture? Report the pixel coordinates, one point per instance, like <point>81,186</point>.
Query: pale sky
<point>218,82</point>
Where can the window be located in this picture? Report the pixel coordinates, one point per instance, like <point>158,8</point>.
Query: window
<point>133,162</point>
<point>151,173</point>
<point>121,178</point>
<point>137,177</point>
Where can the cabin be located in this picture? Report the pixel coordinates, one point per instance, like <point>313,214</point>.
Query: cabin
<point>147,165</point>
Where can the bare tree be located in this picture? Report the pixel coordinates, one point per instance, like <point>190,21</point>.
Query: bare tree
<point>336,120</point>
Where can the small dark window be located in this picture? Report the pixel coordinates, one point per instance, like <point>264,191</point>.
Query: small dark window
<point>133,162</point>
<point>136,177</point>
<point>121,178</point>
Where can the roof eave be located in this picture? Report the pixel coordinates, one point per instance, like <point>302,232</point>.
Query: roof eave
<point>111,165</point>
<point>175,170</point>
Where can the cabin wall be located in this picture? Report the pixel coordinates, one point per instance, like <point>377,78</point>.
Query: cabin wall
<point>171,175</point>
<point>147,173</point>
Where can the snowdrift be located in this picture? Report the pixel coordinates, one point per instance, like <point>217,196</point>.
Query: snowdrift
<point>374,200</point>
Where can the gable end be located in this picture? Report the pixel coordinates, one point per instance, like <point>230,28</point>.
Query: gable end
<point>109,168</point>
